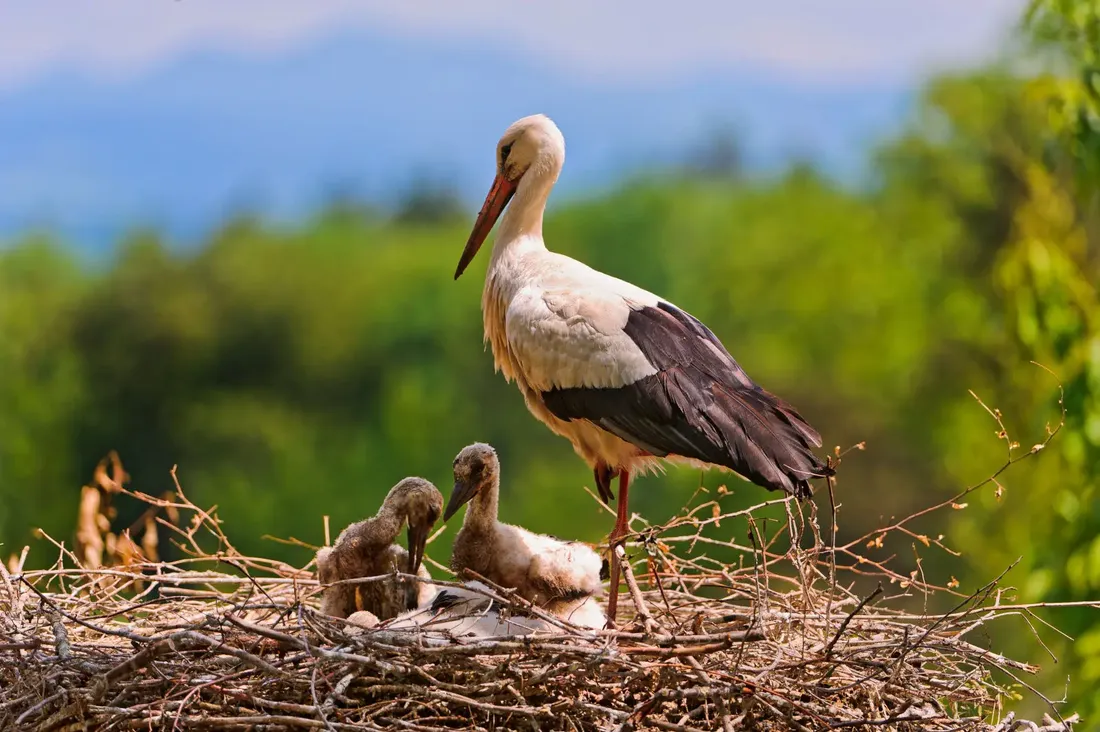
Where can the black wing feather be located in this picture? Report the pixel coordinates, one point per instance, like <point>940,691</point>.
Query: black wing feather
<point>700,404</point>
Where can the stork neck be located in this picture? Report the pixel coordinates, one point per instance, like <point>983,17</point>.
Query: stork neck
<point>386,524</point>
<point>485,505</point>
<point>522,220</point>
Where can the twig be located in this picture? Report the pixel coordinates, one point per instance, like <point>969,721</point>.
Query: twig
<point>635,594</point>
<point>844,625</point>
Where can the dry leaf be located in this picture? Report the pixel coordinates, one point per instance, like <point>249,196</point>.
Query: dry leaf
<point>150,540</point>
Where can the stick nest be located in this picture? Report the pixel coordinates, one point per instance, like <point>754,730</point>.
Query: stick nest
<point>780,629</point>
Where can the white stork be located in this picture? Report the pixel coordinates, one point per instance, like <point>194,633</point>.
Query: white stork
<point>625,375</point>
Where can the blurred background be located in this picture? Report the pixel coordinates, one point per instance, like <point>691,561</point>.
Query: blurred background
<point>228,234</point>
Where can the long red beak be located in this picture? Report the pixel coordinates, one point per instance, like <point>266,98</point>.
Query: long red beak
<point>499,196</point>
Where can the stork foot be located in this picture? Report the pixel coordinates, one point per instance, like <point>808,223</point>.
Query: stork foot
<point>603,474</point>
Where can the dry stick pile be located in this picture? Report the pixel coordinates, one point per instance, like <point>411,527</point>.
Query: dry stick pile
<point>777,639</point>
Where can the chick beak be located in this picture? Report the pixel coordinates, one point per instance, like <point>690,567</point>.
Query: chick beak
<point>418,539</point>
<point>462,494</point>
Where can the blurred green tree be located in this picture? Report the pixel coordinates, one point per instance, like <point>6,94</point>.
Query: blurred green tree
<point>1028,248</point>
<point>429,202</point>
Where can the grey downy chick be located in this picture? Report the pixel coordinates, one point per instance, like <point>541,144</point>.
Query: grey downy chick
<point>557,575</point>
<point>368,549</point>
<point>468,612</point>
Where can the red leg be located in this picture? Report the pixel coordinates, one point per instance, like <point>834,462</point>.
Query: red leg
<point>622,527</point>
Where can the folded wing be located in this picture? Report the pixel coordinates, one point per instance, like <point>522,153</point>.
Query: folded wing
<point>658,378</point>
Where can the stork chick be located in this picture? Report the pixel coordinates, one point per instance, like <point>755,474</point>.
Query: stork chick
<point>546,571</point>
<point>367,549</point>
<point>468,612</point>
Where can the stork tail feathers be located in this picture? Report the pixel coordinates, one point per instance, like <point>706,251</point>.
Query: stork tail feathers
<point>769,443</point>
<point>683,412</point>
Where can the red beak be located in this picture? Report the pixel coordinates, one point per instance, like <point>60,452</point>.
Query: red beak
<point>498,198</point>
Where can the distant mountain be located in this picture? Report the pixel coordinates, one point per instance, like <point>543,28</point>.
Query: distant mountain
<point>365,114</point>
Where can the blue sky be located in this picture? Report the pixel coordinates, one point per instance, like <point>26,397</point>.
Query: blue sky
<point>174,112</point>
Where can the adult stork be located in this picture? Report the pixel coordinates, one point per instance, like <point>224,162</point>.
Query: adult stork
<point>625,375</point>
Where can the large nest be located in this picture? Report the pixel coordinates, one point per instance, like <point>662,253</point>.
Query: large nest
<point>780,629</point>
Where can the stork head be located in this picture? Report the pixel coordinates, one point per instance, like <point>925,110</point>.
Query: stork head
<point>476,467</point>
<point>422,503</point>
<point>531,148</point>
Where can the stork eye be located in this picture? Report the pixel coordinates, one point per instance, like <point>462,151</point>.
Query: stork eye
<point>504,152</point>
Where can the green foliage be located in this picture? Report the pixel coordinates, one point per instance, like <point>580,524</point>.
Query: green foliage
<point>295,373</point>
<point>1048,276</point>
<point>989,160</point>
<point>42,383</point>
<point>1070,29</point>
